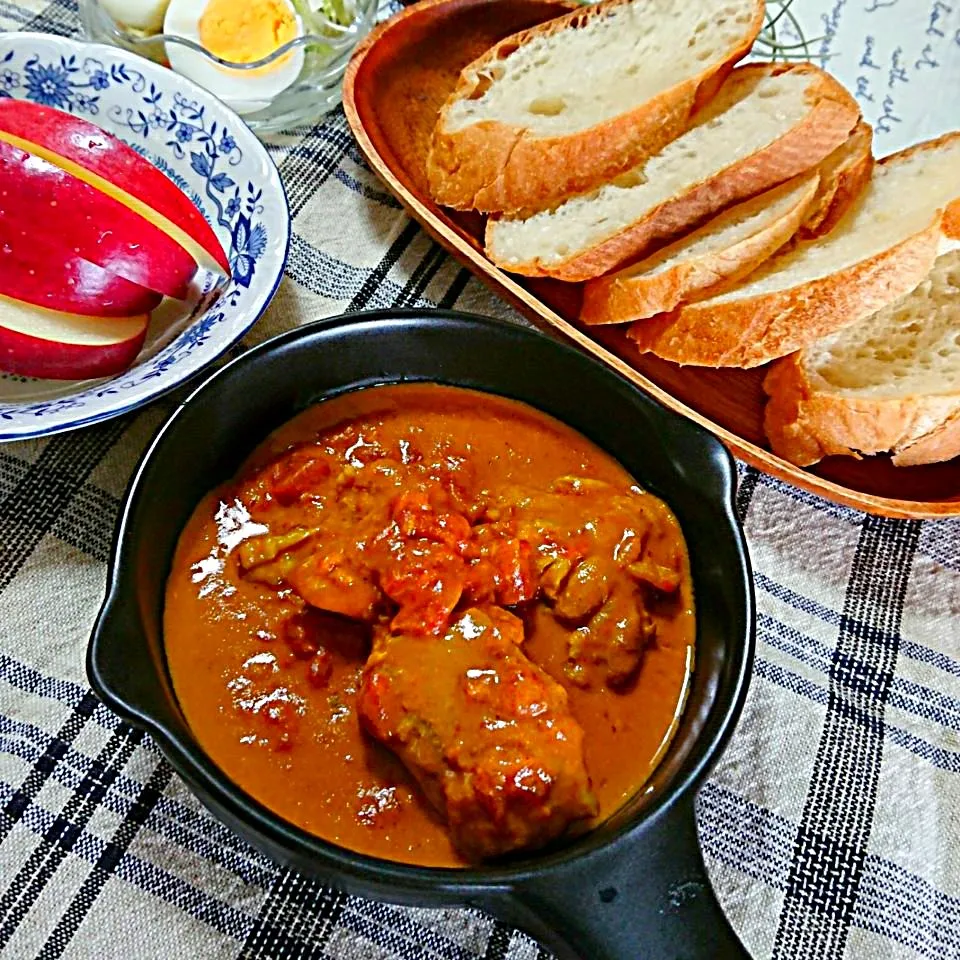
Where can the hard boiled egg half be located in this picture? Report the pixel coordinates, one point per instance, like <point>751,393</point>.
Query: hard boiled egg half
<point>240,31</point>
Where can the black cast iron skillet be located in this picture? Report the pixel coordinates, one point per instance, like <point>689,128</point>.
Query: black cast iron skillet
<point>635,886</point>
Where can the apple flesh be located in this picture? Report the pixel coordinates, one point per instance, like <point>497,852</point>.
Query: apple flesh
<point>39,200</point>
<point>83,149</point>
<point>35,342</point>
<point>54,277</point>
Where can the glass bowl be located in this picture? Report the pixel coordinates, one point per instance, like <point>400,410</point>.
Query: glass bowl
<point>324,48</point>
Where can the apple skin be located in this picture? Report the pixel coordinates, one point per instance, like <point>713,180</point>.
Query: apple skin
<point>39,199</point>
<point>57,346</point>
<point>104,155</point>
<point>46,275</point>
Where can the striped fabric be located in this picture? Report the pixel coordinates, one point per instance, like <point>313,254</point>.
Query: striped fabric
<point>831,827</point>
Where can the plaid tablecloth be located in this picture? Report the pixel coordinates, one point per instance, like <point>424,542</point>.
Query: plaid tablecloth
<point>831,827</point>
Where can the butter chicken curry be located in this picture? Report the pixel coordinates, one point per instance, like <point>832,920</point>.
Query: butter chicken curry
<point>432,625</point>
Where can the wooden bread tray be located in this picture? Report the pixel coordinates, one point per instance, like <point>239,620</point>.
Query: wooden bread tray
<point>393,89</point>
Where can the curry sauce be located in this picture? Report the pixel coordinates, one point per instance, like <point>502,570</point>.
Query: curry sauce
<point>417,608</point>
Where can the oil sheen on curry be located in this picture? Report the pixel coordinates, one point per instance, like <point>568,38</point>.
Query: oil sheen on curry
<point>432,625</point>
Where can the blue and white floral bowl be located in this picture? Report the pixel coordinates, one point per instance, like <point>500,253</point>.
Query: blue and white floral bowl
<point>210,153</point>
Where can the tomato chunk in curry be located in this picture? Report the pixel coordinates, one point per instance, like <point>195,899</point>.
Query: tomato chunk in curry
<point>432,625</point>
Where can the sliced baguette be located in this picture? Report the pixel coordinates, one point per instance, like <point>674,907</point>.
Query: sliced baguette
<point>564,106</point>
<point>732,245</point>
<point>768,123</point>
<point>888,384</point>
<point>843,176</point>
<point>880,250</point>
<point>727,248</point>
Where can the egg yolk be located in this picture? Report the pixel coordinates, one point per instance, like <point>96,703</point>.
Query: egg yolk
<point>246,30</point>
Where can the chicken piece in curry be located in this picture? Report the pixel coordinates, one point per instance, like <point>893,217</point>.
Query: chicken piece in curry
<point>432,625</point>
<point>490,739</point>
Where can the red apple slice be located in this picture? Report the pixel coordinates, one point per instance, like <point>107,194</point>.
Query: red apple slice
<point>51,276</point>
<point>63,346</point>
<point>86,151</point>
<point>49,203</point>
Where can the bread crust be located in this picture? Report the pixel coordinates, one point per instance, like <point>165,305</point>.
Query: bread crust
<point>941,443</point>
<point>498,167</point>
<point>750,332</point>
<point>633,295</point>
<point>842,180</point>
<point>755,330</point>
<point>834,112</point>
<point>951,220</point>
<point>804,424</point>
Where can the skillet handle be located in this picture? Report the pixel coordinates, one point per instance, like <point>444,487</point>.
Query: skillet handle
<point>644,897</point>
<point>119,661</point>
